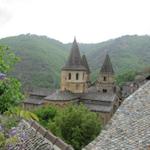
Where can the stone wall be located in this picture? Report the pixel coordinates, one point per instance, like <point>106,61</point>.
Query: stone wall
<point>73,85</point>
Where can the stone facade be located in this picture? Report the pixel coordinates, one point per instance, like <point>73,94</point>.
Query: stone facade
<point>74,81</point>
<point>106,83</point>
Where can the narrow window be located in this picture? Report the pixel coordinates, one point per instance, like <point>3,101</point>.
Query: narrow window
<point>83,76</point>
<point>69,76</point>
<point>104,91</point>
<point>77,76</point>
<point>114,89</point>
<point>104,78</point>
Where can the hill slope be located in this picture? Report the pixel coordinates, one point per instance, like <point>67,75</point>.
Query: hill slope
<point>126,53</point>
<point>42,57</point>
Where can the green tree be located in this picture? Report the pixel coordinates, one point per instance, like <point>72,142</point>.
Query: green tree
<point>7,59</point>
<point>125,77</point>
<point>6,138</point>
<point>45,114</point>
<point>18,112</point>
<point>10,88</point>
<point>10,93</point>
<point>2,140</point>
<point>76,125</point>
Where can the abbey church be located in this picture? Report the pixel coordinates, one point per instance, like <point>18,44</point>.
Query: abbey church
<point>102,97</point>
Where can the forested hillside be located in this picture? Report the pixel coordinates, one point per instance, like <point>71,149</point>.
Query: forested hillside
<point>43,57</point>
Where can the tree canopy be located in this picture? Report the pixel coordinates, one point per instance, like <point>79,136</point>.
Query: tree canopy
<point>10,88</point>
<point>75,124</point>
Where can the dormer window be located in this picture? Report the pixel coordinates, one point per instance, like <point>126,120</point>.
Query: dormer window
<point>104,78</point>
<point>69,76</point>
<point>77,76</point>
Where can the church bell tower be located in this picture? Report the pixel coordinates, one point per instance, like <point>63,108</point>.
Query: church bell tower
<point>75,74</point>
<point>106,82</point>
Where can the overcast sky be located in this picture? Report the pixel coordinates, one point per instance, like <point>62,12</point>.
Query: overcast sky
<point>88,20</point>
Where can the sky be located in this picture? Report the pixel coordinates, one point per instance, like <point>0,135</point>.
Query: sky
<point>91,21</point>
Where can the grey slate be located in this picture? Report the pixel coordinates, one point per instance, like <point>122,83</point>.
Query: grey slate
<point>85,63</point>
<point>99,96</point>
<point>99,108</point>
<point>107,66</point>
<point>74,61</point>
<point>33,136</point>
<point>33,101</point>
<point>61,95</point>
<point>129,128</point>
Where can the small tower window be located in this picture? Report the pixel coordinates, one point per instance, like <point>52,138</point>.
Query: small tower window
<point>104,91</point>
<point>104,78</point>
<point>114,89</point>
<point>83,76</point>
<point>77,76</point>
<point>69,76</point>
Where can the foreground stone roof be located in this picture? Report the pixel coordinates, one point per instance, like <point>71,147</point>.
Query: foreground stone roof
<point>129,128</point>
<point>32,136</point>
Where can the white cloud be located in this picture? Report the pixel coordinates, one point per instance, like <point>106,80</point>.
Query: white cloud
<point>89,20</point>
<point>4,17</point>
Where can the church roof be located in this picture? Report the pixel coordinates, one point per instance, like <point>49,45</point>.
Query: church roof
<point>99,96</point>
<point>85,63</point>
<point>33,101</point>
<point>74,61</point>
<point>61,96</point>
<point>99,108</point>
<point>107,66</point>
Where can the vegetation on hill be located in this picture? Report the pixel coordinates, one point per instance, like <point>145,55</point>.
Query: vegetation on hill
<point>75,124</point>
<point>126,77</point>
<point>42,57</point>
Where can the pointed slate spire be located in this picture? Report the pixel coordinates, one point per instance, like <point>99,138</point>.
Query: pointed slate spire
<point>107,66</point>
<point>74,62</point>
<point>85,63</point>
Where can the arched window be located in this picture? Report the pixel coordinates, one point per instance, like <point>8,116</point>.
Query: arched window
<point>77,76</point>
<point>69,76</point>
<point>104,78</point>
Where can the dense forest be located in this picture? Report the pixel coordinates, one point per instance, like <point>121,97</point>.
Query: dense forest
<point>42,57</point>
